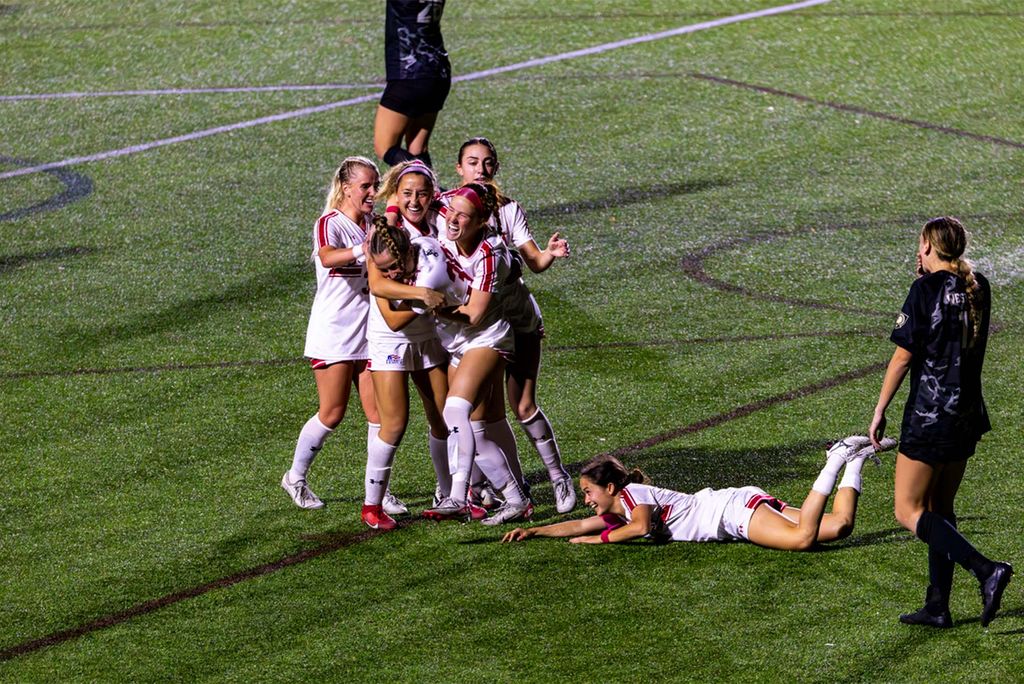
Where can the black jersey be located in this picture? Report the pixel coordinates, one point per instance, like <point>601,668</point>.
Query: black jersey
<point>413,46</point>
<point>945,406</point>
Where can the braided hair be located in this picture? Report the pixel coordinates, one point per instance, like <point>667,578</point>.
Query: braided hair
<point>391,239</point>
<point>344,175</point>
<point>948,238</point>
<point>605,470</point>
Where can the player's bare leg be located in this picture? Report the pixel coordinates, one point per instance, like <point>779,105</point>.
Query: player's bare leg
<point>772,529</point>
<point>417,133</point>
<point>388,130</point>
<point>392,395</point>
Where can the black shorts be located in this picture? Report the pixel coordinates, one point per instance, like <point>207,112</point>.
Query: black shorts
<point>416,97</point>
<point>938,453</point>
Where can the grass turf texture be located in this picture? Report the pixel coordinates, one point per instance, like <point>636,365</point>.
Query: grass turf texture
<point>137,468</point>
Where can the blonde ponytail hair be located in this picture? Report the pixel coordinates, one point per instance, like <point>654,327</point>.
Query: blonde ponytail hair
<point>948,238</point>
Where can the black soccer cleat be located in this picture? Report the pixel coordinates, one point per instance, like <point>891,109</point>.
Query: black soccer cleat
<point>922,617</point>
<point>992,591</point>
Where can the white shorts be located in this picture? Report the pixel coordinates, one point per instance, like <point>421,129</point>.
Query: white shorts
<point>740,508</point>
<point>392,355</point>
<point>497,336</point>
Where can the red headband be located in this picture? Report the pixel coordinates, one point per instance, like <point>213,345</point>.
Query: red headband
<point>472,196</point>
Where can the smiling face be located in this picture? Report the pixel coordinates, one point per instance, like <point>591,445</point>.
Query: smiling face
<point>463,221</point>
<point>414,195</point>
<point>600,499</point>
<point>359,192</point>
<point>477,164</point>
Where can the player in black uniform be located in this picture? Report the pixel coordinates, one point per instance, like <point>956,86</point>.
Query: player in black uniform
<point>419,77</point>
<point>941,335</point>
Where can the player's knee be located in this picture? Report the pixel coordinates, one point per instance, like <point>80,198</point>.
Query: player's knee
<point>332,415</point>
<point>907,515</point>
<point>456,411</point>
<point>844,529</point>
<point>804,539</point>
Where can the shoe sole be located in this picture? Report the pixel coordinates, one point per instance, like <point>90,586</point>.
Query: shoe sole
<point>911,620</point>
<point>385,528</point>
<point>440,517</point>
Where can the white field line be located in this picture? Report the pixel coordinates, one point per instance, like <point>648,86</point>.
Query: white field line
<point>189,91</point>
<point>306,111</point>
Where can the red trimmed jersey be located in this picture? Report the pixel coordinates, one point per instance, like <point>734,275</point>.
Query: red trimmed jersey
<point>702,516</point>
<point>337,320</point>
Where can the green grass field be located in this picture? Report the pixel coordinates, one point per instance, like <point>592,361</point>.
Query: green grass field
<point>742,203</point>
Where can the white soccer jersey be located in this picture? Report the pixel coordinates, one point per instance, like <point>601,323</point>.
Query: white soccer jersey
<point>707,515</point>
<point>520,307</point>
<point>515,230</point>
<point>433,271</point>
<point>432,223</point>
<point>487,270</point>
<point>337,321</point>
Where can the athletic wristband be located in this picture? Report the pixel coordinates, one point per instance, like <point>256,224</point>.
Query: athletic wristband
<point>391,209</point>
<point>604,535</point>
<point>357,251</point>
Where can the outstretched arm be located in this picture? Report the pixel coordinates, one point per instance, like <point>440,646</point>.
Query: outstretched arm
<point>894,374</point>
<point>568,528</point>
<point>540,260</point>
<point>639,526</point>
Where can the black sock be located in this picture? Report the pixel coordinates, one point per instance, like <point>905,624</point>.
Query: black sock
<point>944,539</point>
<point>940,577</point>
<point>396,155</point>
<point>424,157</point>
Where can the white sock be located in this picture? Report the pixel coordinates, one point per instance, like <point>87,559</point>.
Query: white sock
<point>494,464</point>
<point>829,474</point>
<point>500,432</point>
<point>460,438</point>
<point>851,476</point>
<point>538,429</point>
<point>311,440</point>
<point>380,455</point>
<point>476,476</point>
<point>439,457</point>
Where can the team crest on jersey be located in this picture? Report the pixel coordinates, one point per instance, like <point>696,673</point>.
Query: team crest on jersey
<point>901,320</point>
<point>393,359</point>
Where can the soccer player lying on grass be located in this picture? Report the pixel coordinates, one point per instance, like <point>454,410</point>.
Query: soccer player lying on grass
<point>627,508</point>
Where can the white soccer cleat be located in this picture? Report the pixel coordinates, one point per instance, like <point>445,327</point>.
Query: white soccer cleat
<point>510,513</point>
<point>301,494</point>
<point>859,447</point>
<point>565,495</point>
<point>393,505</point>
<point>848,446</point>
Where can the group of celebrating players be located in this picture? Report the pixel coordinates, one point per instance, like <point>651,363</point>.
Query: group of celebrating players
<point>431,289</point>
